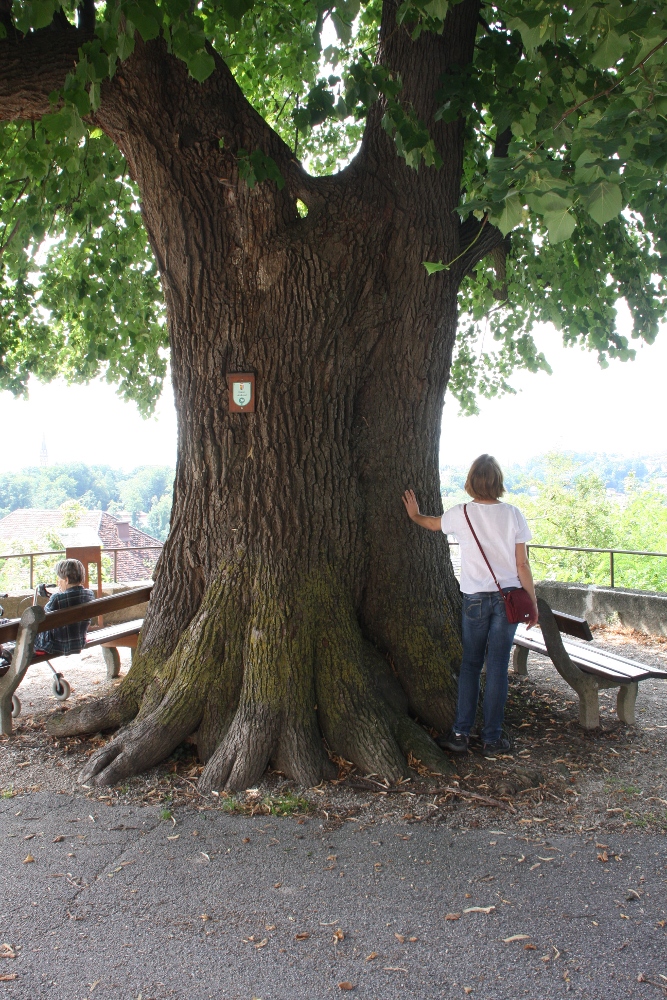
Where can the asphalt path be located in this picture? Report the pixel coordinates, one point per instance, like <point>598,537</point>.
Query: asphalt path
<point>121,903</point>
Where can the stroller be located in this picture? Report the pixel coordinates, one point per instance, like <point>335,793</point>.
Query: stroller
<point>60,687</point>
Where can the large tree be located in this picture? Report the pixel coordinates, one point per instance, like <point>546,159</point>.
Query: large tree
<point>198,145</point>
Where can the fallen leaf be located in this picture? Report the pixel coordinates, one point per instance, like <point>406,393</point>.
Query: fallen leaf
<point>58,839</point>
<point>10,977</point>
<point>624,916</point>
<point>6,951</point>
<point>545,958</point>
<point>467,989</point>
<point>269,927</point>
<point>603,857</point>
<point>602,846</point>
<point>303,936</point>
<point>28,860</point>
<point>345,985</point>
<point>331,857</point>
<point>452,916</point>
<point>29,836</point>
<point>277,885</point>
<point>479,909</point>
<point>338,935</point>
<point>373,955</point>
<point>413,939</point>
<point>468,895</point>
<point>205,916</point>
<point>262,943</point>
<point>516,937</point>
<point>530,947</point>
<point>174,836</point>
<point>400,938</point>
<point>246,840</point>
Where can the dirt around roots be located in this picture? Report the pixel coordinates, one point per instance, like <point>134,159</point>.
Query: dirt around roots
<point>557,778</point>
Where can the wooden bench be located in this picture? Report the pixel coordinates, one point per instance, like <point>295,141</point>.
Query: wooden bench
<point>586,669</point>
<point>24,631</point>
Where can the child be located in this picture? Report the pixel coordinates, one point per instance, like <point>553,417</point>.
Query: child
<point>69,638</point>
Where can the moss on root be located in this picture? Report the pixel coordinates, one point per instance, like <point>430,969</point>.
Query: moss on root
<point>269,672</point>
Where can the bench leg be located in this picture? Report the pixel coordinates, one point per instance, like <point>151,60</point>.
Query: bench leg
<point>6,714</point>
<point>520,661</point>
<point>589,706</point>
<point>112,660</point>
<point>625,702</point>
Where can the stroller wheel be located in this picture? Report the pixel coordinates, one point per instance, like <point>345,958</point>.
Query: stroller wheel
<point>60,688</point>
<point>16,707</point>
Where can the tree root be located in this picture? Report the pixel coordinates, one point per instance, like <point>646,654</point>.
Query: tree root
<point>258,688</point>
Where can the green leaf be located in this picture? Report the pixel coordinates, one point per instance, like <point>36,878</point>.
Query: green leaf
<point>437,9</point>
<point>560,225</point>
<point>510,215</point>
<point>433,268</point>
<point>201,65</point>
<point>604,202</point>
<point>343,30</point>
<point>610,50</point>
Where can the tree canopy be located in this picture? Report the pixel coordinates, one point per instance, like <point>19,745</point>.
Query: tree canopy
<point>565,112</point>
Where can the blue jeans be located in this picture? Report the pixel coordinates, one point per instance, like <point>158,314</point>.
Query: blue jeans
<point>486,633</point>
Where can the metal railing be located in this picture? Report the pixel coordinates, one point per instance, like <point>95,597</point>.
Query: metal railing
<point>577,548</point>
<point>610,552</point>
<point>31,556</point>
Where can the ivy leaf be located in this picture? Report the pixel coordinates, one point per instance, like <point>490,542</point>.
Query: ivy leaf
<point>510,215</point>
<point>433,268</point>
<point>604,202</point>
<point>560,225</point>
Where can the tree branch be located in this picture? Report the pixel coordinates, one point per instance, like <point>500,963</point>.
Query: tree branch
<point>477,240</point>
<point>33,66</point>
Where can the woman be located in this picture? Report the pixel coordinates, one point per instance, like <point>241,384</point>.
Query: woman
<point>502,532</point>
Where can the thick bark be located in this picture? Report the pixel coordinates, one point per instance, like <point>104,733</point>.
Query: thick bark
<point>294,601</point>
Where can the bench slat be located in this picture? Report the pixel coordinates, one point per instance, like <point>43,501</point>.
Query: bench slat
<point>98,636</point>
<point>592,661</point>
<point>81,612</point>
<point>571,625</point>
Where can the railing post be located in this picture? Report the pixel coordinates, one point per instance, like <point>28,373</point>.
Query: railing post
<point>32,572</point>
<point>611,566</point>
<point>115,565</point>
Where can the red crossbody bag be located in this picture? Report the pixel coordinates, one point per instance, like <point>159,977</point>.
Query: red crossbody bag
<point>518,603</point>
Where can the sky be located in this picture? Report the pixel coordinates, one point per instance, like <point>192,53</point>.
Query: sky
<point>580,407</point>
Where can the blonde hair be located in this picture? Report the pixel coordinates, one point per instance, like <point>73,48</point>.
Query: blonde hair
<point>485,479</point>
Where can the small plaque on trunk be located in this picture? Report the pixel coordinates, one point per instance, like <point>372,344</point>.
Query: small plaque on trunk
<point>241,392</point>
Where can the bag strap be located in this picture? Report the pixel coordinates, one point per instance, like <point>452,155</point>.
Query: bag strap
<point>482,551</point>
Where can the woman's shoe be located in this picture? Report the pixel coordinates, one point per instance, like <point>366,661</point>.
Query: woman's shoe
<point>456,742</point>
<point>501,745</point>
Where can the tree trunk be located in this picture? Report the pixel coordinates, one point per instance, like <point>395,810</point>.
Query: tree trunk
<point>296,609</point>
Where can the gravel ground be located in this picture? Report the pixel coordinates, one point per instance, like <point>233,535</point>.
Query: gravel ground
<point>159,892</point>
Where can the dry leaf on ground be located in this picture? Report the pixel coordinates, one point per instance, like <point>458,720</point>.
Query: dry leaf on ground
<point>479,909</point>
<point>373,954</point>
<point>338,935</point>
<point>9,977</point>
<point>28,860</point>
<point>6,951</point>
<point>303,936</point>
<point>400,938</point>
<point>452,916</point>
<point>516,937</point>
<point>263,943</point>
<point>345,985</point>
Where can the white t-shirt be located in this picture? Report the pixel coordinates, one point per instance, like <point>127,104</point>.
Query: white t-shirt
<point>499,527</point>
